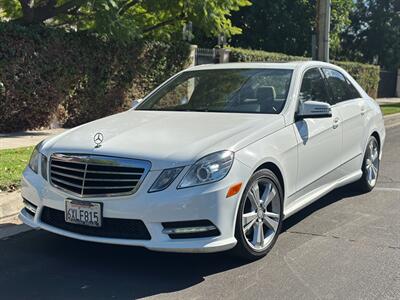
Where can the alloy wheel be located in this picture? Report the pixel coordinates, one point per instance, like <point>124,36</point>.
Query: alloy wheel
<point>372,163</point>
<point>261,214</point>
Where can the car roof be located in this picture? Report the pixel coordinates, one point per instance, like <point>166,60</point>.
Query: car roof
<point>260,65</point>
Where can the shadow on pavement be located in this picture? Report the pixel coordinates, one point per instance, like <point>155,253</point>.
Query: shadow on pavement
<point>332,197</point>
<point>40,265</point>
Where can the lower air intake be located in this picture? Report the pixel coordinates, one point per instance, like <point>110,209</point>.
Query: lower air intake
<point>111,228</point>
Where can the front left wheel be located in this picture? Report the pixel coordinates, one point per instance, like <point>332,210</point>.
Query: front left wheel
<point>260,215</point>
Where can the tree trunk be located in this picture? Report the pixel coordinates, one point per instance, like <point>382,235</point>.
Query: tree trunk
<point>37,15</point>
<point>27,11</point>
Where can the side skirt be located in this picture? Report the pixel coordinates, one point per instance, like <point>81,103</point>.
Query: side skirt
<point>323,186</point>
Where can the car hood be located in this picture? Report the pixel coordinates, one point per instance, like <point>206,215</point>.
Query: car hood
<point>167,139</point>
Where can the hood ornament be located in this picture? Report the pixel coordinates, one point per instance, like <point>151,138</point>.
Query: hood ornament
<point>98,139</point>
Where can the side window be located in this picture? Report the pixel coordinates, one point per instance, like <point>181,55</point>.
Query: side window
<point>353,93</point>
<point>341,88</point>
<point>313,87</point>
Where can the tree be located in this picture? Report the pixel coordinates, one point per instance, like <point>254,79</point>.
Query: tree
<point>127,19</point>
<point>374,33</point>
<point>287,25</point>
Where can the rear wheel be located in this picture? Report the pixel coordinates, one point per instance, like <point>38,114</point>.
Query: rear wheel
<point>370,167</point>
<point>260,214</point>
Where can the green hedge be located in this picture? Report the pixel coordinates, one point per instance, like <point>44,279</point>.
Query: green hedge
<point>366,75</point>
<point>248,55</point>
<point>49,74</point>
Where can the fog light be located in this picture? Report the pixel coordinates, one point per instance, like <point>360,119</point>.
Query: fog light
<point>188,229</point>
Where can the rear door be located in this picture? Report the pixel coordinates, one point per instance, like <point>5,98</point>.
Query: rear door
<point>319,139</point>
<point>347,100</point>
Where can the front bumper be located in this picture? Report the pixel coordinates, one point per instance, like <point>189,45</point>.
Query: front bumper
<point>207,202</point>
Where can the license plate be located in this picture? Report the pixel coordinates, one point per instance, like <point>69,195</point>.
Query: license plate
<point>83,212</point>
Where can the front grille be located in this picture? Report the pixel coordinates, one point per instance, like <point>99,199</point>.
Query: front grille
<point>111,227</point>
<point>95,175</point>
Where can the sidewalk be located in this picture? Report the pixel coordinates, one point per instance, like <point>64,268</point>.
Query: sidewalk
<point>26,138</point>
<point>388,100</point>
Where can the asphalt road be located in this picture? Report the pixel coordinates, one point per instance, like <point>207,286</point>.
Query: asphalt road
<point>345,246</point>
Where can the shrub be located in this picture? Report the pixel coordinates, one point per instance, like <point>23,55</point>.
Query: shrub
<point>75,76</point>
<point>248,55</point>
<point>366,75</point>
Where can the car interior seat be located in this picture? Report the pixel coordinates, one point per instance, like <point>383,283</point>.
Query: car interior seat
<point>266,98</point>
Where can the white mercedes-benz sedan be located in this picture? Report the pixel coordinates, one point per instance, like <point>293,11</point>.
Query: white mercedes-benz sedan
<point>213,159</point>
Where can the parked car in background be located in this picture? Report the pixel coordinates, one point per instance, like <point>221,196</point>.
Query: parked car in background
<point>213,159</point>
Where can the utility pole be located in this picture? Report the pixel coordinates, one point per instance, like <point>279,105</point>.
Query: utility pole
<point>323,28</point>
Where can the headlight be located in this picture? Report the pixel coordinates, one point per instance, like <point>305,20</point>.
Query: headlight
<point>36,159</point>
<point>43,166</point>
<point>165,179</point>
<point>210,168</point>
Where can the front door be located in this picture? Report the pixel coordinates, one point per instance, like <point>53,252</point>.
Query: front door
<point>352,109</point>
<point>319,139</point>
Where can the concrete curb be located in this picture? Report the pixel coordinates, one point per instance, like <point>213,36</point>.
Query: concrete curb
<point>10,204</point>
<point>11,226</point>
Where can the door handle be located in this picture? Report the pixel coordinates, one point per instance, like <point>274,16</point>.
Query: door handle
<point>362,110</point>
<point>336,122</point>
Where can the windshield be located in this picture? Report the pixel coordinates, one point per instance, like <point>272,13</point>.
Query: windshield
<point>228,90</point>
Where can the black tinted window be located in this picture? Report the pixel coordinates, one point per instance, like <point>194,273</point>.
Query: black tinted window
<point>313,87</point>
<point>353,93</point>
<point>341,88</point>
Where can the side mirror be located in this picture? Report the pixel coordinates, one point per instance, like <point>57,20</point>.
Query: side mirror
<point>313,109</point>
<point>135,103</point>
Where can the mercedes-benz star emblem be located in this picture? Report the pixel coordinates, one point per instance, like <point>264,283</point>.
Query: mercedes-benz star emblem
<point>98,139</point>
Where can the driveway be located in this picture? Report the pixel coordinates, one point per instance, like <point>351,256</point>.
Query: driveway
<point>345,245</point>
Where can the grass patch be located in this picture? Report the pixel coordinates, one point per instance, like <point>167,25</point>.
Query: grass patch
<point>388,109</point>
<point>12,164</point>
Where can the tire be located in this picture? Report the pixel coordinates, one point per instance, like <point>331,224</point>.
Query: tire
<point>251,245</point>
<point>370,167</point>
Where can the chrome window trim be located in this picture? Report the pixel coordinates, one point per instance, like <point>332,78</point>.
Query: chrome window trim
<point>101,160</point>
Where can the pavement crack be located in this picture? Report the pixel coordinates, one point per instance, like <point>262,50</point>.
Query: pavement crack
<point>300,277</point>
<point>308,233</point>
<point>340,238</point>
<point>394,247</point>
